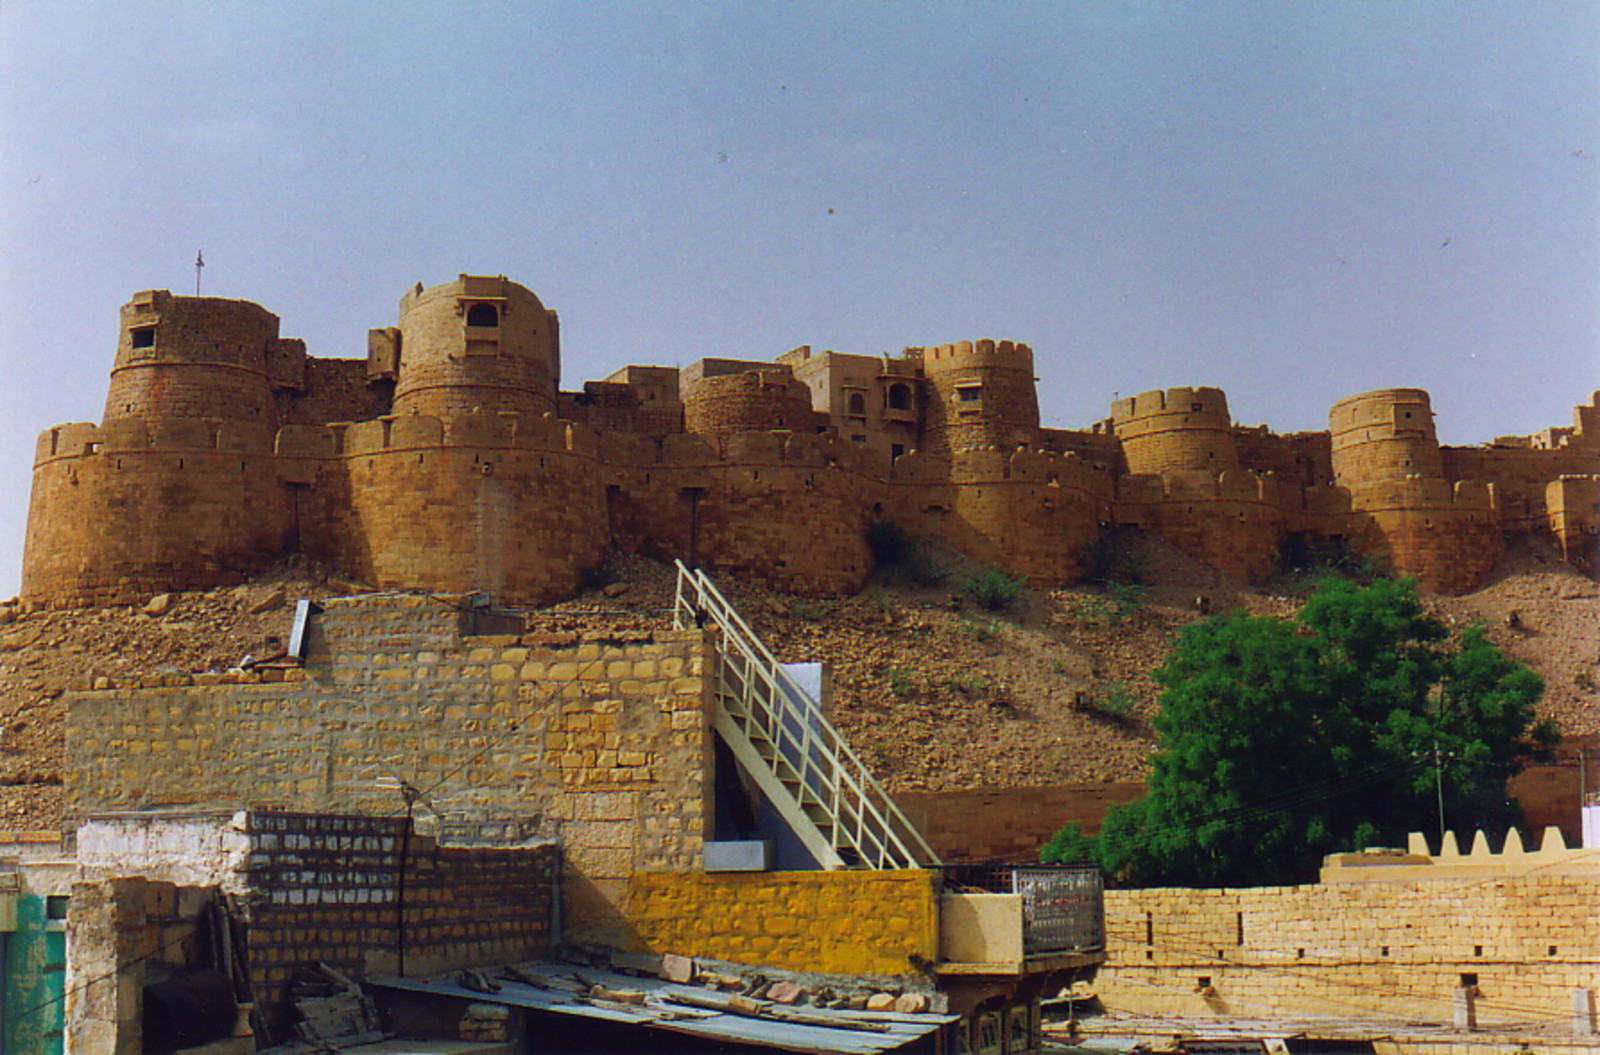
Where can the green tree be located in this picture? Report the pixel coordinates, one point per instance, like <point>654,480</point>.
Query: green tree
<point>1282,740</point>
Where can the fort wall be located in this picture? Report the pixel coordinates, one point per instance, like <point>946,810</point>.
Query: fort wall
<point>139,506</point>
<point>225,448</point>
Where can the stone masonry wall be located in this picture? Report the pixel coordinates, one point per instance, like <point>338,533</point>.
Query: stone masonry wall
<point>603,742</point>
<point>876,922</point>
<point>1371,949</point>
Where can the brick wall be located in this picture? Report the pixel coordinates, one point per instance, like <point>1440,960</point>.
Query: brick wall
<point>327,889</point>
<point>600,741</point>
<point>849,922</point>
<point>352,892</point>
<point>1372,949</point>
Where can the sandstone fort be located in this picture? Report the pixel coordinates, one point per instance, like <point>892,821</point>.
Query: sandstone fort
<point>450,459</point>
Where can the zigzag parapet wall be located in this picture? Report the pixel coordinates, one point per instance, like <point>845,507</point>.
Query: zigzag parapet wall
<point>212,464</point>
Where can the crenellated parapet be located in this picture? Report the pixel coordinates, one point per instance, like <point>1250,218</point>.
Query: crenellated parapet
<point>1419,862</point>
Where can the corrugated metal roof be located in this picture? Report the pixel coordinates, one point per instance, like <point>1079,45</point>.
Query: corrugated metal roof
<point>857,1032</point>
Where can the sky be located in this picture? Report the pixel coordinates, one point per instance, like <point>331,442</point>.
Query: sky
<point>1293,201</point>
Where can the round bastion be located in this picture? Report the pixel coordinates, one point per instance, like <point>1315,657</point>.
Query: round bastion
<point>1176,430</point>
<point>478,343</point>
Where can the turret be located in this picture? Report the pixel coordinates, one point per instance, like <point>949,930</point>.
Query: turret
<point>1383,435</point>
<point>478,343</point>
<point>197,357</point>
<point>980,396</point>
<point>751,400</point>
<point>1175,430</point>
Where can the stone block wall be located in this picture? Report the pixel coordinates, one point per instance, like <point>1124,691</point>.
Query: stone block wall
<point>602,742</point>
<point>846,922</point>
<point>1372,950</point>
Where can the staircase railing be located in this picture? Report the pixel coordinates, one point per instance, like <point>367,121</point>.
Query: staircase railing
<point>780,736</point>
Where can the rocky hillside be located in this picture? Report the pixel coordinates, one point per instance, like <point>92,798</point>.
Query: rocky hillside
<point>935,692</point>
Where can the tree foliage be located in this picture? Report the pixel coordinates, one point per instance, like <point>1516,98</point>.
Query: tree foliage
<point>1282,740</point>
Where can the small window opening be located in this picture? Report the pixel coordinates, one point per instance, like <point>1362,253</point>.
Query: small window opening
<point>1202,981</point>
<point>857,404</point>
<point>1238,928</point>
<point>896,450</point>
<point>1299,954</point>
<point>1469,979</point>
<point>1552,951</point>
<point>1477,950</point>
<point>899,397</point>
<point>970,395</point>
<point>1196,408</point>
<point>483,315</point>
<point>143,336</point>
<point>55,906</point>
<point>1384,951</point>
<point>1149,929</point>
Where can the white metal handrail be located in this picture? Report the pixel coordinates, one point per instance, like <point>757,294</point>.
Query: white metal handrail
<point>838,809</point>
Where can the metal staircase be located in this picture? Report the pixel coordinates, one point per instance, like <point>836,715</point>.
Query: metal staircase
<point>798,760</point>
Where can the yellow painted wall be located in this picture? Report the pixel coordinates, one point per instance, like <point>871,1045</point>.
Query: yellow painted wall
<point>846,922</point>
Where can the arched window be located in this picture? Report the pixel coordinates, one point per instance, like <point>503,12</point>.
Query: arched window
<point>899,397</point>
<point>857,404</point>
<point>483,315</point>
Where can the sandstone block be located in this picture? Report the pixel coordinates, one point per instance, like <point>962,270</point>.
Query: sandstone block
<point>785,993</point>
<point>880,1002</point>
<point>675,968</point>
<point>270,602</point>
<point>911,1003</point>
<point>158,606</point>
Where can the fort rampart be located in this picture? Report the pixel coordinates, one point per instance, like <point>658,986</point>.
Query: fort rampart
<point>216,459</point>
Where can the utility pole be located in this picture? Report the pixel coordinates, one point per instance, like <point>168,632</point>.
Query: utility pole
<point>199,263</point>
<point>1438,786</point>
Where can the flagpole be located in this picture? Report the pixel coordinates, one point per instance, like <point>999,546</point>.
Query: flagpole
<point>199,262</point>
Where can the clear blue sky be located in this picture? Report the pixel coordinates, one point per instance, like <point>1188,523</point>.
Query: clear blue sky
<point>1295,201</point>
